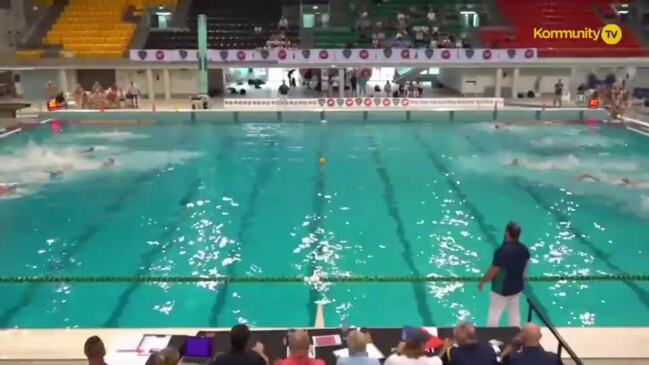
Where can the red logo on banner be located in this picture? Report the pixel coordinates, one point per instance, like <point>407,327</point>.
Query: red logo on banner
<point>331,102</point>
<point>281,54</point>
<point>364,54</point>
<point>446,54</point>
<point>405,53</point>
<point>386,102</point>
<point>160,55</point>
<point>349,102</point>
<point>529,53</point>
<point>323,54</point>
<point>405,102</point>
<point>241,55</point>
<point>486,54</point>
<point>368,102</point>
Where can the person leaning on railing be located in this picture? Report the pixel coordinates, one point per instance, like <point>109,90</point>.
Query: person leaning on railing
<point>525,349</point>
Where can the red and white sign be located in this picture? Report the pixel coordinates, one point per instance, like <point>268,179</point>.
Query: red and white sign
<point>340,56</point>
<point>365,103</point>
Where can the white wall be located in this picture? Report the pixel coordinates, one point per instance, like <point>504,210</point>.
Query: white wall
<point>183,82</point>
<point>536,79</point>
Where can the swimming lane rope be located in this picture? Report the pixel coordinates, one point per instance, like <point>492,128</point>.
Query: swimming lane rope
<point>298,279</point>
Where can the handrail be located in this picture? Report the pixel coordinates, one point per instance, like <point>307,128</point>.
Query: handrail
<point>546,321</point>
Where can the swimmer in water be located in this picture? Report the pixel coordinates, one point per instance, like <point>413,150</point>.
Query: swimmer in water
<point>110,162</point>
<point>88,150</point>
<point>7,190</point>
<point>624,181</point>
<point>513,163</point>
<point>55,174</point>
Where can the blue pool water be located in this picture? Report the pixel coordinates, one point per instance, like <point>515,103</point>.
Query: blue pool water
<point>250,199</point>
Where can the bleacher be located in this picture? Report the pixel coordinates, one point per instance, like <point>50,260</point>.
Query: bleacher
<point>525,15</point>
<point>95,28</point>
<point>230,25</point>
<point>448,20</point>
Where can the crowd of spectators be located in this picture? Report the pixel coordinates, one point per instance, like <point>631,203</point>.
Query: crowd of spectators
<point>412,28</point>
<point>113,97</point>
<point>284,37</point>
<point>463,348</point>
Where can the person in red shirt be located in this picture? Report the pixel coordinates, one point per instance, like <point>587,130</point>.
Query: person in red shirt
<point>298,345</point>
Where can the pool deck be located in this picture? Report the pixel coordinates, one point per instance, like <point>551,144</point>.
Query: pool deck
<point>611,343</point>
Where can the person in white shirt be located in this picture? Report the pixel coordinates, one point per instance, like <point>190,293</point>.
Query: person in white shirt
<point>413,350</point>
<point>431,16</point>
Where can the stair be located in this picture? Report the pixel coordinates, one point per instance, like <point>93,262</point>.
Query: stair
<point>179,17</point>
<point>37,32</point>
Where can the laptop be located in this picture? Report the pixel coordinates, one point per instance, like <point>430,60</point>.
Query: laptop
<point>197,350</point>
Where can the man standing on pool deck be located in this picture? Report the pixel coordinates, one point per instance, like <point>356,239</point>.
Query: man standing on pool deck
<point>506,275</point>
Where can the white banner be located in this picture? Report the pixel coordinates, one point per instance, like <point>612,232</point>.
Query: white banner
<point>341,56</point>
<point>365,103</point>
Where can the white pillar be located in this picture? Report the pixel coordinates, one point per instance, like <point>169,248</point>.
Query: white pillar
<point>167,83</point>
<point>499,82</point>
<point>341,82</point>
<point>515,77</point>
<point>63,81</point>
<point>149,81</point>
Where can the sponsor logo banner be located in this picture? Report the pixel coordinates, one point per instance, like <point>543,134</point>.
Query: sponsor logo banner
<point>339,56</point>
<point>365,103</point>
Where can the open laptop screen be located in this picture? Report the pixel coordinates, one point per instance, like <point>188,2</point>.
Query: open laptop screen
<point>198,347</point>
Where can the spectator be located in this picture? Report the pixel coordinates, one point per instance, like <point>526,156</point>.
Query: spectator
<point>357,343</point>
<point>51,90</point>
<point>363,22</point>
<point>467,350</point>
<point>168,356</point>
<point>238,355</point>
<point>433,43</point>
<point>431,16</point>
<point>506,275</point>
<point>411,90</point>
<point>133,94</point>
<point>525,349</point>
<point>419,36</point>
<point>283,89</point>
<point>283,24</point>
<point>387,88</point>
<point>362,83</point>
<point>298,344</point>
<point>353,83</point>
<point>581,91</point>
<point>420,90</point>
<point>558,93</point>
<point>413,350</point>
<point>398,43</point>
<point>77,95</point>
<point>18,86</point>
<point>95,351</point>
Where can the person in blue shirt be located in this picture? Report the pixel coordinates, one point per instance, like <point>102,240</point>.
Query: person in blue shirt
<point>526,349</point>
<point>467,350</point>
<point>357,343</point>
<point>506,275</point>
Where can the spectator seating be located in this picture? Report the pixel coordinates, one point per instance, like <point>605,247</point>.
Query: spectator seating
<point>448,20</point>
<point>95,28</point>
<point>230,25</point>
<point>524,15</point>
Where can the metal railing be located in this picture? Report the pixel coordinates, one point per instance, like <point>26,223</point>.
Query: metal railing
<point>532,308</point>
